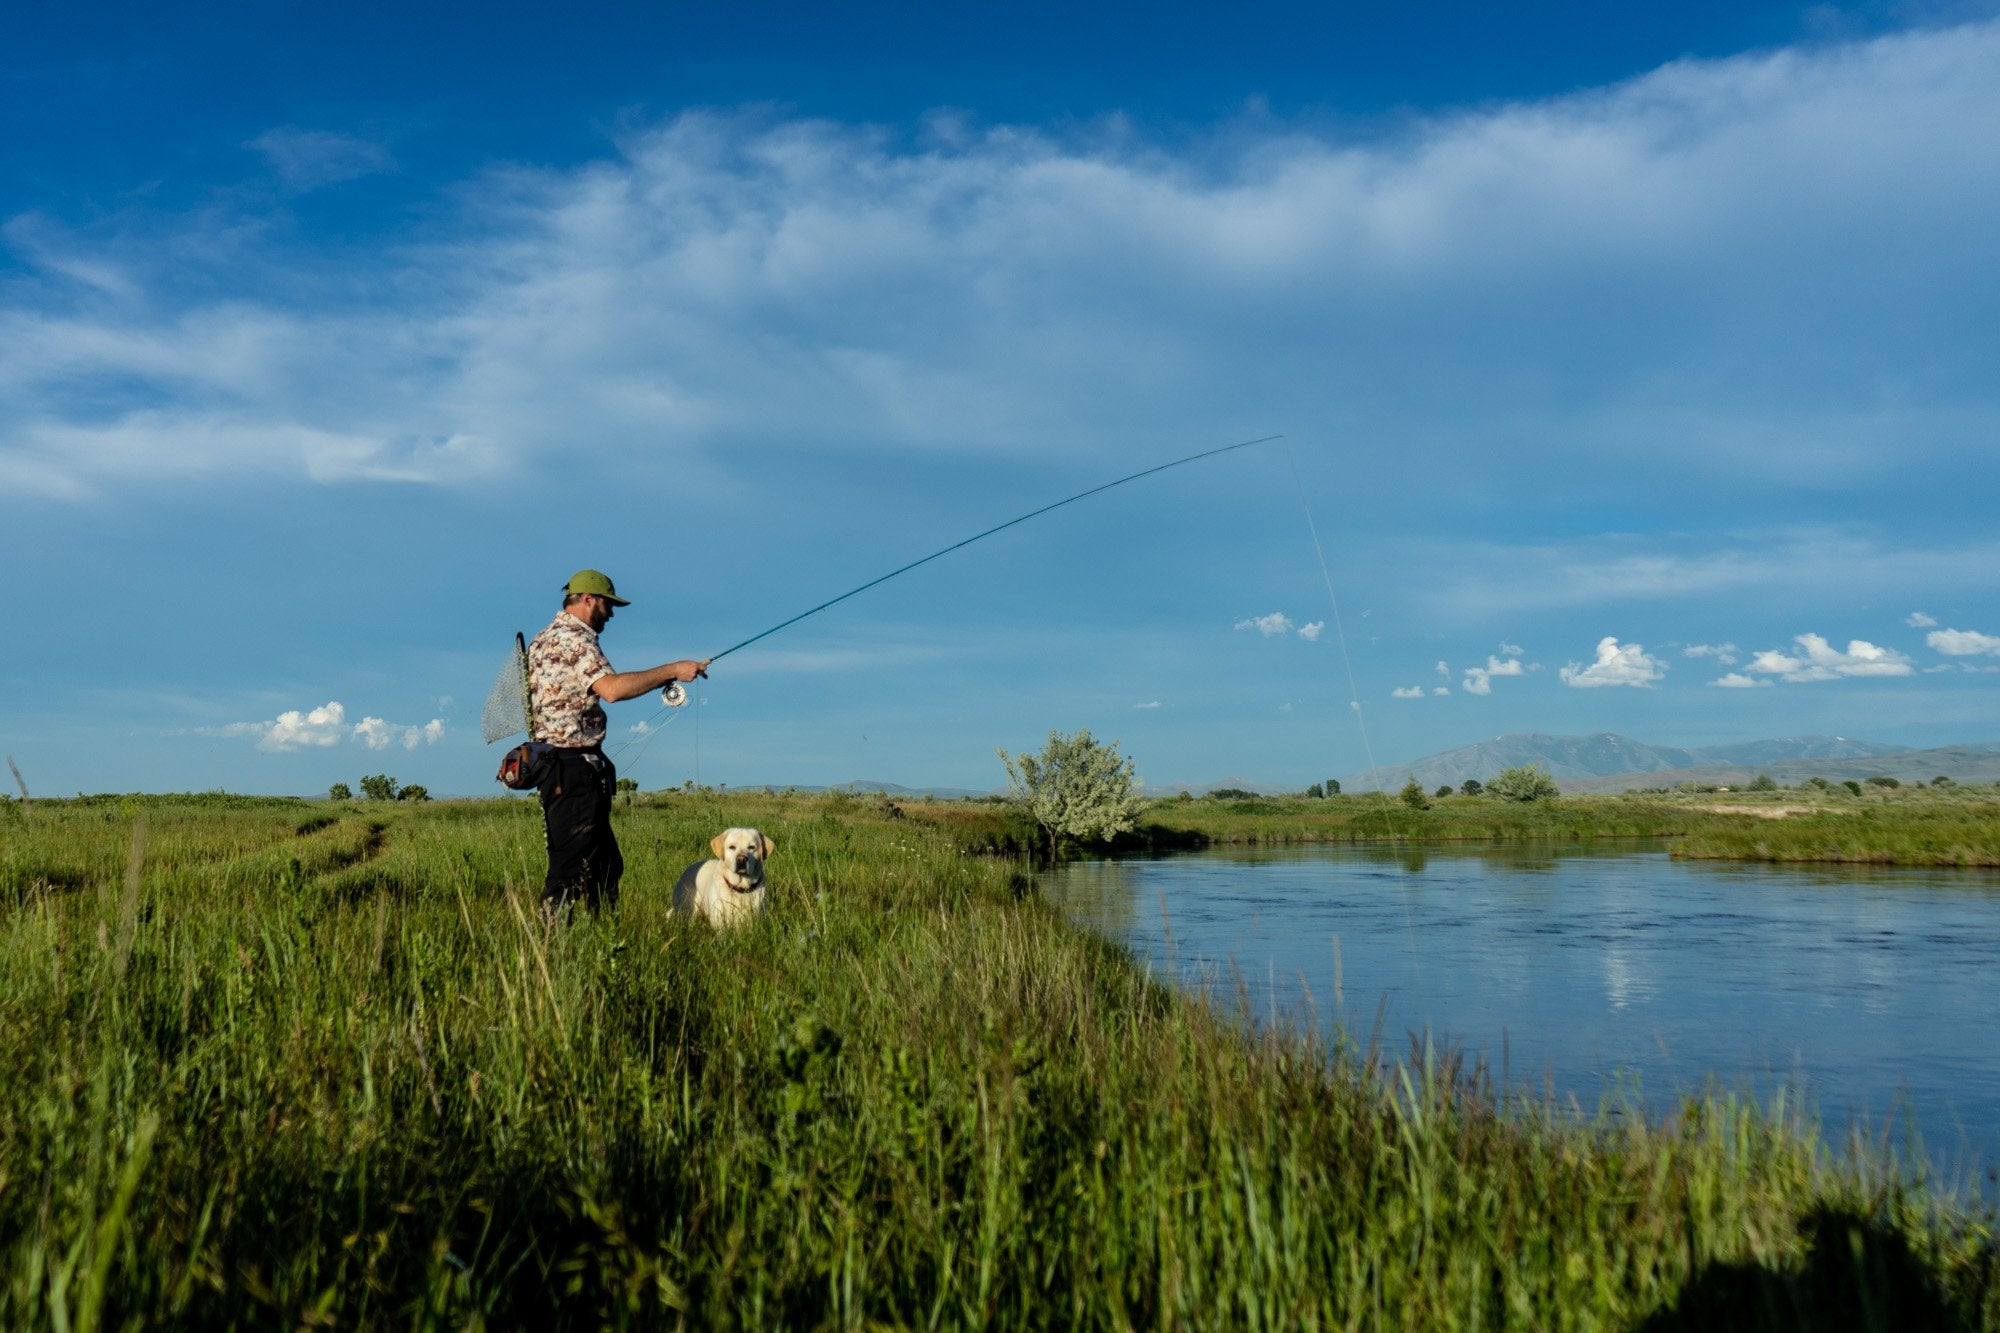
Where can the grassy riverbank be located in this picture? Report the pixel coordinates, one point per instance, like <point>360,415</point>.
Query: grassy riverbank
<point>1918,827</point>
<point>314,1064</point>
<point>1931,833</point>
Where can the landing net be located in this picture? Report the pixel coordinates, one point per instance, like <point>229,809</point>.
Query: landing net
<point>506,712</point>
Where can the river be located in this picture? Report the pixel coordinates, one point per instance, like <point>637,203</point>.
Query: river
<point>1873,994</point>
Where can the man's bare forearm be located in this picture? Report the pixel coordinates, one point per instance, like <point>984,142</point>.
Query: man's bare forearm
<point>621,685</point>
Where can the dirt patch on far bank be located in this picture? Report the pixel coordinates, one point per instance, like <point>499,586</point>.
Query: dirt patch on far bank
<point>1761,811</point>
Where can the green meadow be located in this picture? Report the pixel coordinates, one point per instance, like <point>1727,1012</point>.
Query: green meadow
<point>279,1063</point>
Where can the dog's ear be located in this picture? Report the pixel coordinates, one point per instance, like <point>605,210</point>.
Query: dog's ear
<point>715,844</point>
<point>769,846</point>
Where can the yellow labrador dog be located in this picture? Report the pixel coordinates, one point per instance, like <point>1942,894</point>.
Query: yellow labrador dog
<point>729,889</point>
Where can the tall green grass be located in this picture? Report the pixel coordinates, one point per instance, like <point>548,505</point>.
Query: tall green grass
<point>1378,818</point>
<point>322,1065</point>
<point>1961,832</point>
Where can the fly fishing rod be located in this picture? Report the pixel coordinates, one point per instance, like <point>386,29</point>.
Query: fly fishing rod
<point>674,695</point>
<point>1012,522</point>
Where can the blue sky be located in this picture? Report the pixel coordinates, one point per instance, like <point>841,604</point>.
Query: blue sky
<point>1637,371</point>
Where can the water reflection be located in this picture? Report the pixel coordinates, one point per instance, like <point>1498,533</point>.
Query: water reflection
<point>1867,991</point>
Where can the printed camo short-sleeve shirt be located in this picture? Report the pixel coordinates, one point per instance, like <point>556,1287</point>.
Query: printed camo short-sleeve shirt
<point>564,661</point>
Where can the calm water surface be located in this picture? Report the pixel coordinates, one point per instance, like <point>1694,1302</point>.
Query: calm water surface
<point>1875,994</point>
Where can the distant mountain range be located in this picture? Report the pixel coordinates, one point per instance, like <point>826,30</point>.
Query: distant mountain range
<point>1960,763</point>
<point>1605,762</point>
<point>895,789</point>
<point>868,786</point>
<point>1609,762</point>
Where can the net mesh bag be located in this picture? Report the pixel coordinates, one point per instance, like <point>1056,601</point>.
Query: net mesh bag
<point>506,712</point>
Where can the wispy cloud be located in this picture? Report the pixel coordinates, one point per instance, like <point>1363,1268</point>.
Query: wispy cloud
<point>309,159</point>
<point>1150,703</point>
<point>1918,620</point>
<point>1725,653</point>
<point>1615,665</point>
<point>1618,570</point>
<point>728,276</point>
<point>1407,692</point>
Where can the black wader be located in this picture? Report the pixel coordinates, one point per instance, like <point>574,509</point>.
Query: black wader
<point>584,861</point>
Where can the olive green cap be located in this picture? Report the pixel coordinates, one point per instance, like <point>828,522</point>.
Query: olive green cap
<point>589,582</point>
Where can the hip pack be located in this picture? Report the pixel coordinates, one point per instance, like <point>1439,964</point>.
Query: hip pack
<point>523,767</point>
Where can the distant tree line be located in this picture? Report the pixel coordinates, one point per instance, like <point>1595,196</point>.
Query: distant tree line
<point>378,787</point>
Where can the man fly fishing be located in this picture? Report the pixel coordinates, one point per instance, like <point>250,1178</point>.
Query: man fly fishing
<point>569,682</point>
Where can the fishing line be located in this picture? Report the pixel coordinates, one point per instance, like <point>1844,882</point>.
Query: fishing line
<point>643,739</point>
<point>1012,522</point>
<point>1339,633</point>
<point>1081,495</point>
<point>1354,703</point>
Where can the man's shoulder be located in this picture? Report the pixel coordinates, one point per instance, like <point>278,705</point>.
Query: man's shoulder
<point>565,628</point>
<point>565,645</point>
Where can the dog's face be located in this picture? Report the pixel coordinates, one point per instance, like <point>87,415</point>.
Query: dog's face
<point>742,852</point>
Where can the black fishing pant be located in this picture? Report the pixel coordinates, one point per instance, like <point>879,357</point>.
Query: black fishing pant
<point>584,861</point>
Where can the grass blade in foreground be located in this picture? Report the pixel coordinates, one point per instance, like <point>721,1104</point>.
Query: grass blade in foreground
<point>331,1075</point>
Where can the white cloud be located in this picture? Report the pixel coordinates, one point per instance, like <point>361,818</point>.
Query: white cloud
<point>1151,703</point>
<point>1963,643</point>
<point>1310,632</point>
<point>1736,680</point>
<point>1820,660</point>
<point>378,734</point>
<point>295,728</point>
<point>1479,680</point>
<point>723,276</point>
<point>1725,653</point>
<point>1918,620</point>
<point>1407,692</point>
<point>374,733</point>
<point>1615,665</point>
<point>1269,626</point>
<point>1440,691</point>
